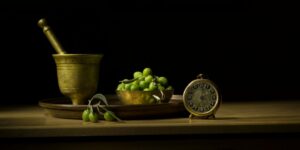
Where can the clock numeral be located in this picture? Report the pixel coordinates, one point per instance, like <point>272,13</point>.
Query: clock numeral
<point>212,91</point>
<point>189,97</point>
<point>207,86</point>
<point>201,85</point>
<point>208,107</point>
<point>214,97</point>
<point>205,109</point>
<point>201,109</point>
<point>195,86</point>
<point>195,108</point>
<point>190,92</point>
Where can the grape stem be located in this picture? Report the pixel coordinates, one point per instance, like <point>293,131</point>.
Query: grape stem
<point>128,81</point>
<point>101,113</point>
<point>97,105</point>
<point>112,114</point>
<point>159,99</point>
<point>90,106</point>
<point>162,97</point>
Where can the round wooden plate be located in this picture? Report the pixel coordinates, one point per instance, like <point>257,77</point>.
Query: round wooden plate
<point>62,108</point>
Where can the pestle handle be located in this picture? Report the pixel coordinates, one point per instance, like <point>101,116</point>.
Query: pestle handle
<point>51,37</point>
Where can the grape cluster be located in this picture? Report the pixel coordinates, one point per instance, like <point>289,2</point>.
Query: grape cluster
<point>144,81</point>
<point>89,115</point>
<point>92,115</point>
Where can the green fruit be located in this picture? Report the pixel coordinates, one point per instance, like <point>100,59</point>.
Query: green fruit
<point>160,87</point>
<point>144,81</point>
<point>152,100</point>
<point>93,117</point>
<point>143,84</point>
<point>147,89</point>
<point>149,78</point>
<point>121,87</point>
<point>137,74</point>
<point>163,80</point>
<point>152,86</point>
<point>135,82</point>
<point>147,71</point>
<point>127,86</point>
<point>134,87</point>
<point>85,115</point>
<point>169,87</point>
<point>141,78</point>
<point>108,116</point>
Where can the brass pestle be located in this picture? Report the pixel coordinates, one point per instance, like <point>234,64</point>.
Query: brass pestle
<point>51,37</point>
<point>77,74</point>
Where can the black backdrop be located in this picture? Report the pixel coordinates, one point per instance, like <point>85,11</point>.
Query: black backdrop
<point>247,48</point>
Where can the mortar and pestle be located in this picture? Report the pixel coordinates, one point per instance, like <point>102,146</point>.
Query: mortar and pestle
<point>77,74</point>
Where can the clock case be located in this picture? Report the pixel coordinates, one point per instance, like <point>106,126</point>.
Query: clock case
<point>208,114</point>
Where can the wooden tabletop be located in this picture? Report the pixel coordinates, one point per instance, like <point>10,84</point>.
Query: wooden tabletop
<point>232,118</point>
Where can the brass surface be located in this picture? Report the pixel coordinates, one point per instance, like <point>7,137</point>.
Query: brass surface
<point>143,97</point>
<point>51,37</point>
<point>61,107</point>
<point>78,75</point>
<point>206,114</point>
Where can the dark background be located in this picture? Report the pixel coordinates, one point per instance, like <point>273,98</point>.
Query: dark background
<point>247,48</point>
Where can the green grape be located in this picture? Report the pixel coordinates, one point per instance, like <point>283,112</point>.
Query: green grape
<point>134,87</point>
<point>163,80</point>
<point>121,87</point>
<point>143,84</point>
<point>135,82</point>
<point>93,117</point>
<point>85,115</point>
<point>137,74</point>
<point>169,87</point>
<point>107,116</point>
<point>152,86</point>
<point>149,78</point>
<point>160,87</point>
<point>141,78</point>
<point>145,81</point>
<point>152,100</point>
<point>147,89</point>
<point>127,86</point>
<point>147,71</point>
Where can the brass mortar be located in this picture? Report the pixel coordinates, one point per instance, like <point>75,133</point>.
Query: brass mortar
<point>78,75</point>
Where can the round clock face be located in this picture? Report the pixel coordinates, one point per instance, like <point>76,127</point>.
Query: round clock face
<point>201,97</point>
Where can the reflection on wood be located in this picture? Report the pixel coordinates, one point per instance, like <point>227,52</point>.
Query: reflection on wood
<point>232,118</point>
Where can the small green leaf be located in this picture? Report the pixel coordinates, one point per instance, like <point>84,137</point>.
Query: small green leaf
<point>128,81</point>
<point>100,97</point>
<point>156,97</point>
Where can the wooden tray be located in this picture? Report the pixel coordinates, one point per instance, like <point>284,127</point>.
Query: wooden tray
<point>62,108</point>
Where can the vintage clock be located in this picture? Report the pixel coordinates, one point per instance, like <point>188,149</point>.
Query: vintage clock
<point>201,98</point>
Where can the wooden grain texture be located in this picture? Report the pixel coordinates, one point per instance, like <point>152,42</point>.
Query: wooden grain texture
<point>232,118</point>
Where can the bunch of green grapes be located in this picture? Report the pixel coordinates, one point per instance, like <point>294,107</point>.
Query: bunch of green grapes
<point>92,115</point>
<point>144,81</point>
